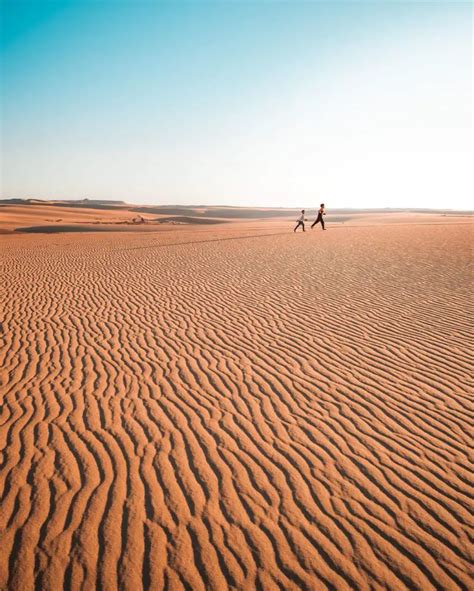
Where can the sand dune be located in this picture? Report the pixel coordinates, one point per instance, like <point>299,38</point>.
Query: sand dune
<point>36,217</point>
<point>237,407</point>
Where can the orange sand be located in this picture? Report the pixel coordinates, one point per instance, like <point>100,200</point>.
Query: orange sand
<point>236,407</point>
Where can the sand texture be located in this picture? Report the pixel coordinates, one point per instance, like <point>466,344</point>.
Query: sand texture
<point>237,407</point>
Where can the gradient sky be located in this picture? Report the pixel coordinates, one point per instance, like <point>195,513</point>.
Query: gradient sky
<point>359,104</point>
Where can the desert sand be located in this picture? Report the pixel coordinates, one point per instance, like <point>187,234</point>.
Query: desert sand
<point>237,407</point>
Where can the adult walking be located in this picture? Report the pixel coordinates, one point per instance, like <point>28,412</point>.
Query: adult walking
<point>300,221</point>
<point>321,212</point>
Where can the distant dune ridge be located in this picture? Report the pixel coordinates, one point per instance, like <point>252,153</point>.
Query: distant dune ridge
<point>34,216</point>
<point>234,406</point>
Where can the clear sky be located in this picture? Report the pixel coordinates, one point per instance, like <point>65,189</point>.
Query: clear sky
<point>359,104</point>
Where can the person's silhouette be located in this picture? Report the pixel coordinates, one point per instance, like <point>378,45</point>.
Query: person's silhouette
<point>300,221</point>
<point>321,212</point>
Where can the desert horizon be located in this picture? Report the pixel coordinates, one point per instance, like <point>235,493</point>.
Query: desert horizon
<point>89,215</point>
<point>236,311</point>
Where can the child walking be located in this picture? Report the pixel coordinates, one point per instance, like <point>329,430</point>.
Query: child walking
<point>300,221</point>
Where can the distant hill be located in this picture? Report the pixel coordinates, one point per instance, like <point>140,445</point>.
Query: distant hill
<point>80,203</point>
<point>218,211</point>
<point>215,212</point>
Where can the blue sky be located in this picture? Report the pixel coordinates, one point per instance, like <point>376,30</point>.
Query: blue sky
<point>360,104</point>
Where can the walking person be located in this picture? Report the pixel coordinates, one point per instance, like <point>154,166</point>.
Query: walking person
<point>300,221</point>
<point>321,212</point>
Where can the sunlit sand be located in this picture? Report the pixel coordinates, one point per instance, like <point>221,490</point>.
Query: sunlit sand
<point>236,406</point>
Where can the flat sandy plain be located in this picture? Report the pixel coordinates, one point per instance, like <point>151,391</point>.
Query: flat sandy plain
<point>237,406</point>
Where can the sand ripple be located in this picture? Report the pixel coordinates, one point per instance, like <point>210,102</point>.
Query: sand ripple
<point>279,412</point>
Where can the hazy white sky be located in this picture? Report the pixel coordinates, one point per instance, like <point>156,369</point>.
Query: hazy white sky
<point>359,104</point>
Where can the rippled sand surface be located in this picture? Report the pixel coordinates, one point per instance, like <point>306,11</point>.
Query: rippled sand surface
<point>237,408</point>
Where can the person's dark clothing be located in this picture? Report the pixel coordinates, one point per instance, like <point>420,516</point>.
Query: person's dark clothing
<point>318,219</point>
<point>300,223</point>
